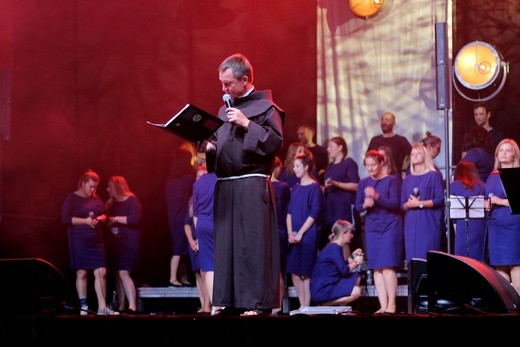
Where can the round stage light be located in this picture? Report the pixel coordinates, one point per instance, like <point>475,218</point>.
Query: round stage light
<point>477,67</point>
<point>366,8</point>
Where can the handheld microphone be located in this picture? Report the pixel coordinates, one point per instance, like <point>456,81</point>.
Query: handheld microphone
<point>227,100</point>
<point>490,195</point>
<point>416,192</point>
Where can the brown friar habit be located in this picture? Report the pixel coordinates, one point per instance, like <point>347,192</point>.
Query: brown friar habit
<point>247,256</point>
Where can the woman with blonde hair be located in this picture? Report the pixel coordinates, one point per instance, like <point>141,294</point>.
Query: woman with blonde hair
<point>123,240</point>
<point>503,227</point>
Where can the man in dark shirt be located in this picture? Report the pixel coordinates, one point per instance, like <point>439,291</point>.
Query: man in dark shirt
<point>247,252</point>
<point>399,145</point>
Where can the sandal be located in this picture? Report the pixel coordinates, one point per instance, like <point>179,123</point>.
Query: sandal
<point>216,310</point>
<point>251,313</point>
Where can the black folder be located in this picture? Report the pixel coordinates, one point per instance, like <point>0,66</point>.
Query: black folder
<point>510,178</point>
<point>191,123</point>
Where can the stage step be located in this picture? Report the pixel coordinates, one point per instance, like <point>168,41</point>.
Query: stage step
<point>144,293</point>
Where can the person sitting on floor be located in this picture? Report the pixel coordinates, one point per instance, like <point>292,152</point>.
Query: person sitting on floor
<point>334,281</point>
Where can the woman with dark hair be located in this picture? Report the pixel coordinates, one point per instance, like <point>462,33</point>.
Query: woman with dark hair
<point>341,183</point>
<point>305,206</point>
<point>478,148</point>
<point>470,233</point>
<point>178,190</point>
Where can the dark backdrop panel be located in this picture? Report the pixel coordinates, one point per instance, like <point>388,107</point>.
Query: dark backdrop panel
<point>87,75</point>
<point>497,24</point>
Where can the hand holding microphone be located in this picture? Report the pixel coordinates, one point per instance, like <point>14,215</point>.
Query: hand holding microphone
<point>93,220</point>
<point>489,203</point>
<point>234,115</point>
<point>369,197</point>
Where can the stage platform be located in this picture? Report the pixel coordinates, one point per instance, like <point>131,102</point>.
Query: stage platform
<point>184,299</point>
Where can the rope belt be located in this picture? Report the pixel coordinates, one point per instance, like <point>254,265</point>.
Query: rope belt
<point>242,176</point>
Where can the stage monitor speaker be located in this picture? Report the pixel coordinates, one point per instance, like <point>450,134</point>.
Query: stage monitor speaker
<point>462,285</point>
<point>442,67</point>
<point>32,286</point>
<point>417,286</point>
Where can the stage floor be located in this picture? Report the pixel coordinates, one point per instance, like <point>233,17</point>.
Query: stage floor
<point>197,330</point>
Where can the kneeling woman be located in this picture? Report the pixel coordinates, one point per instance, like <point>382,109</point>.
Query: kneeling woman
<point>333,281</point>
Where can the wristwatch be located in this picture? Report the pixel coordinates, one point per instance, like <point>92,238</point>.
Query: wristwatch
<point>421,204</point>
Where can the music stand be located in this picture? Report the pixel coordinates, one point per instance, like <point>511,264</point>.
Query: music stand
<point>510,178</point>
<point>467,207</point>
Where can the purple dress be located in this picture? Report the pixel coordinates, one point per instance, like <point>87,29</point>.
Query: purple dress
<point>483,160</point>
<point>86,246</point>
<point>423,226</point>
<point>194,257</point>
<point>177,192</point>
<point>331,278</point>
<point>123,240</point>
<point>383,222</point>
<point>338,202</point>
<point>470,234</point>
<point>203,195</point>
<point>504,228</point>
<point>305,201</point>
<point>282,194</point>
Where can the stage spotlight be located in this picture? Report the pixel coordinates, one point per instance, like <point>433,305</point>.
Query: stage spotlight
<point>366,8</point>
<point>480,68</point>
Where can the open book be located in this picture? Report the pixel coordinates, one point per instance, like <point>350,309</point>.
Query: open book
<point>192,124</point>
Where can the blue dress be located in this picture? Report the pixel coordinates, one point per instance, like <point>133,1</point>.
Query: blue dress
<point>504,228</point>
<point>86,246</point>
<point>289,177</point>
<point>470,234</point>
<point>383,222</point>
<point>282,193</point>
<point>338,202</point>
<point>423,227</point>
<point>484,161</point>
<point>331,278</point>
<point>203,195</point>
<point>305,201</point>
<point>194,257</point>
<point>178,192</point>
<point>124,240</point>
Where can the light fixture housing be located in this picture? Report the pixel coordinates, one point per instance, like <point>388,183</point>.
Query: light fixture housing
<point>366,8</point>
<point>480,69</point>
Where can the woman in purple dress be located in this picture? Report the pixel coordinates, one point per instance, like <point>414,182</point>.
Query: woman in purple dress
<point>470,233</point>
<point>333,280</point>
<point>191,235</point>
<point>287,173</point>
<point>341,183</point>
<point>379,195</point>
<point>203,196</point>
<point>82,212</point>
<point>422,199</point>
<point>478,150</point>
<point>178,190</point>
<point>282,193</point>
<point>124,239</point>
<point>504,227</point>
<point>304,209</point>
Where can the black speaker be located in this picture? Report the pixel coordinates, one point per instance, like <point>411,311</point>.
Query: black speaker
<point>442,67</point>
<point>417,286</point>
<point>32,286</point>
<point>462,285</point>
